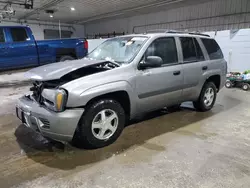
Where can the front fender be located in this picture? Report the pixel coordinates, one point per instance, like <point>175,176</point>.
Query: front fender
<point>86,96</point>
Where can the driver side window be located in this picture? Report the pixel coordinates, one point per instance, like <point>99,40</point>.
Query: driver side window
<point>164,48</point>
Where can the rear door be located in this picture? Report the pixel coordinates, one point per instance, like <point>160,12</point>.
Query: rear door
<point>192,67</point>
<point>23,49</point>
<point>162,86</point>
<point>4,50</point>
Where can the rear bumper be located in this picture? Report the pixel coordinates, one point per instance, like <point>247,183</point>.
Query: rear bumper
<point>57,126</point>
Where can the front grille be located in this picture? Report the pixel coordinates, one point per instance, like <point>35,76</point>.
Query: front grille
<point>37,91</point>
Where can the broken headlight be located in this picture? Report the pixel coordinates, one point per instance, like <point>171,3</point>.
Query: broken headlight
<point>60,101</point>
<point>55,99</point>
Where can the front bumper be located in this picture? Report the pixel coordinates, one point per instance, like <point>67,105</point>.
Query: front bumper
<point>57,126</point>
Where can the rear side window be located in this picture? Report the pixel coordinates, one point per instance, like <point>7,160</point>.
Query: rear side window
<point>2,38</point>
<point>213,49</point>
<point>19,34</point>
<point>164,48</point>
<point>188,49</point>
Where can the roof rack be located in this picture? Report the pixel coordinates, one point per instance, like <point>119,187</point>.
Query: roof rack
<point>177,32</point>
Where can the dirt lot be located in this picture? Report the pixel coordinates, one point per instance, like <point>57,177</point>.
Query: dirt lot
<point>179,149</point>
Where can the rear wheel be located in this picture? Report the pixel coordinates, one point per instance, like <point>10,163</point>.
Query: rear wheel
<point>66,58</point>
<point>245,86</point>
<point>207,97</point>
<point>101,124</point>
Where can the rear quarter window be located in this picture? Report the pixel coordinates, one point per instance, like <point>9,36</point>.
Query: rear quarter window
<point>213,49</point>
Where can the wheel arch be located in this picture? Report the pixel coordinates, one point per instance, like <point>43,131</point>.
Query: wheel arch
<point>216,79</point>
<point>120,91</point>
<point>60,52</point>
<point>120,96</point>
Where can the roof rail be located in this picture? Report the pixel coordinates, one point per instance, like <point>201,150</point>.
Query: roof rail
<point>157,31</point>
<point>177,32</point>
<point>201,34</point>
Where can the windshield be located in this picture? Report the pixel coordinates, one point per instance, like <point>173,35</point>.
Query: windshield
<point>120,50</point>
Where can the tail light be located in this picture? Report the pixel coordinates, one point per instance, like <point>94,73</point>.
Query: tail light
<point>86,44</point>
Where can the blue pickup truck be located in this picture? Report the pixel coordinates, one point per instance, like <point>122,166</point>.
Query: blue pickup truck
<point>18,48</point>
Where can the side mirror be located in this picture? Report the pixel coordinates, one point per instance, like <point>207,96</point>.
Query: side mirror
<point>151,62</point>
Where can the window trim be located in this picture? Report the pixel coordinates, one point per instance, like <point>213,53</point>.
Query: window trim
<point>199,60</point>
<point>28,37</point>
<point>199,39</point>
<point>163,65</point>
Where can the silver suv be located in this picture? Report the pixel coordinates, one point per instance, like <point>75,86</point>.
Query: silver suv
<point>91,99</point>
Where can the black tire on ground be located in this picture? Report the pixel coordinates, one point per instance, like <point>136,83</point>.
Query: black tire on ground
<point>200,103</point>
<point>66,58</point>
<point>228,84</point>
<point>245,86</point>
<point>85,137</point>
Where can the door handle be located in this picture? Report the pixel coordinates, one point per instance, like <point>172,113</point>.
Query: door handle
<point>204,68</point>
<point>176,73</point>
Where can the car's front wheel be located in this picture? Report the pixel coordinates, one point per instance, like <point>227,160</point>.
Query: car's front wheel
<point>101,124</point>
<point>228,84</point>
<point>207,97</point>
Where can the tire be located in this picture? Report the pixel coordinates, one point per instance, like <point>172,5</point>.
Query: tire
<point>245,86</point>
<point>200,104</point>
<point>228,84</point>
<point>88,136</point>
<point>66,58</point>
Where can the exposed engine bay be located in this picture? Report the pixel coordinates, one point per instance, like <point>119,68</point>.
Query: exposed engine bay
<point>38,86</point>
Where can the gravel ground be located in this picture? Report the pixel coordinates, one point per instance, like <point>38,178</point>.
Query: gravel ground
<point>180,149</point>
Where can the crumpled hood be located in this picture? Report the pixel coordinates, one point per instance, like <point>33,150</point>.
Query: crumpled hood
<point>55,71</point>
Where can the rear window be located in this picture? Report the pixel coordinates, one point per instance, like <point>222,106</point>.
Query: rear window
<point>19,34</point>
<point>213,49</point>
<point>2,38</point>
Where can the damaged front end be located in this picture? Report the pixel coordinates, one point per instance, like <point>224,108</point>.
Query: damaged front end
<point>48,93</point>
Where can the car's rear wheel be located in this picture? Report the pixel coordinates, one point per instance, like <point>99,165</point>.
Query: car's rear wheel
<point>207,97</point>
<point>245,86</point>
<point>101,124</point>
<point>66,58</point>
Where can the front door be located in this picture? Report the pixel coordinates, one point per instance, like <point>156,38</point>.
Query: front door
<point>162,86</point>
<point>4,50</point>
<point>23,49</point>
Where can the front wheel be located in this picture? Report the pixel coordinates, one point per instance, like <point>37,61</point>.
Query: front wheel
<point>101,124</point>
<point>207,97</point>
<point>228,84</point>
